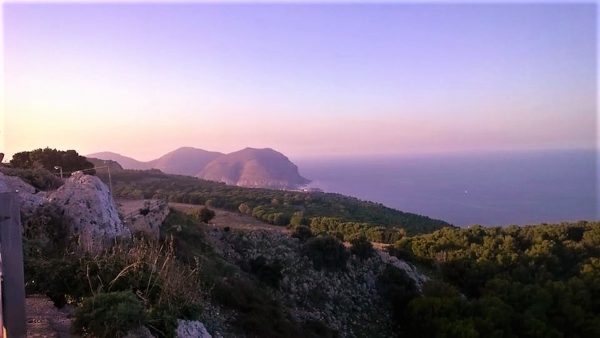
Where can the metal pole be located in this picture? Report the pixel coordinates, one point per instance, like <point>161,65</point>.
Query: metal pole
<point>109,180</point>
<point>11,250</point>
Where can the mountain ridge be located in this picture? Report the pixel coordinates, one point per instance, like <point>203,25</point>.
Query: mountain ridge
<point>248,167</point>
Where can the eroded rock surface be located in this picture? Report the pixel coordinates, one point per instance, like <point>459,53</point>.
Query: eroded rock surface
<point>191,329</point>
<point>30,197</point>
<point>88,202</point>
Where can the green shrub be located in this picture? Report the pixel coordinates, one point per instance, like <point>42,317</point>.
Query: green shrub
<point>203,214</point>
<point>299,219</point>
<point>109,314</point>
<point>362,247</point>
<point>258,314</point>
<point>396,287</point>
<point>326,252</point>
<point>302,232</point>
<point>46,231</point>
<point>39,178</point>
<point>268,273</point>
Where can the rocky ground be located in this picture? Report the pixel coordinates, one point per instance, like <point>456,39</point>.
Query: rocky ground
<point>346,300</point>
<point>44,320</point>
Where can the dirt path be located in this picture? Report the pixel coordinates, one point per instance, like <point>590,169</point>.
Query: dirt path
<point>45,320</point>
<point>234,220</point>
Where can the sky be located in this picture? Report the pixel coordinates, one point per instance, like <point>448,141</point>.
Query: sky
<point>305,79</point>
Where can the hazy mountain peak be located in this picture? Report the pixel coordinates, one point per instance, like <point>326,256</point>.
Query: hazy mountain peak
<point>251,167</point>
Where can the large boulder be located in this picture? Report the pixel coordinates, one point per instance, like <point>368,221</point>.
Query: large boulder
<point>30,197</point>
<point>191,329</point>
<point>89,203</point>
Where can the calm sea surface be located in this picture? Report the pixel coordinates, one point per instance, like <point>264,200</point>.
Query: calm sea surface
<point>488,189</point>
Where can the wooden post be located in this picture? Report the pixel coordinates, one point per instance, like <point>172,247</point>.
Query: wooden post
<point>11,258</point>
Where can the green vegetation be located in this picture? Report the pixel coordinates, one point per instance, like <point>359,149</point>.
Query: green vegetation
<point>48,158</point>
<point>535,281</point>
<point>109,314</point>
<point>258,314</point>
<point>203,214</point>
<point>326,252</point>
<point>39,178</point>
<point>352,217</point>
<point>362,247</point>
<point>302,232</point>
<point>168,287</point>
<point>351,230</point>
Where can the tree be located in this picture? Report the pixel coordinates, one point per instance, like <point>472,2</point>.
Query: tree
<point>203,214</point>
<point>361,247</point>
<point>244,208</point>
<point>48,158</point>
<point>302,232</point>
<point>326,252</point>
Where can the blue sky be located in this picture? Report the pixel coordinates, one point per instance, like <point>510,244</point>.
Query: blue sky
<point>308,80</point>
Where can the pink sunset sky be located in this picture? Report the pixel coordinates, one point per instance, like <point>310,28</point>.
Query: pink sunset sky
<point>307,80</point>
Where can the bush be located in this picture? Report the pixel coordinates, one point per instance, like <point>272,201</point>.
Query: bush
<point>326,252</point>
<point>361,247</point>
<point>46,231</point>
<point>299,219</point>
<point>395,286</point>
<point>203,214</point>
<point>109,314</point>
<point>269,274</point>
<point>170,288</point>
<point>39,178</point>
<point>302,232</point>
<point>258,314</point>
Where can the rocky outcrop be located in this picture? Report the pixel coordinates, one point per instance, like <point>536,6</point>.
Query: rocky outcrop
<point>341,299</point>
<point>410,270</point>
<point>191,329</point>
<point>89,203</point>
<point>148,218</point>
<point>30,197</point>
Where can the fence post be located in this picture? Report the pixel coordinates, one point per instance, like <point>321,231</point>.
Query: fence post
<point>11,258</point>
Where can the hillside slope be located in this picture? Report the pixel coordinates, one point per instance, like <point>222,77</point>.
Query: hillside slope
<point>125,161</point>
<point>252,167</point>
<point>326,211</point>
<point>183,161</point>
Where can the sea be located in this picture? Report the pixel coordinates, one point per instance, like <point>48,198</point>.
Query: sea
<point>489,189</point>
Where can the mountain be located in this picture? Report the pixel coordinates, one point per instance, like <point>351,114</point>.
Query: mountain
<point>102,164</point>
<point>250,167</point>
<point>124,161</point>
<point>184,161</point>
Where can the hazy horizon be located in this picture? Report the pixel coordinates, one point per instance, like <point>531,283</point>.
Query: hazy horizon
<point>307,80</point>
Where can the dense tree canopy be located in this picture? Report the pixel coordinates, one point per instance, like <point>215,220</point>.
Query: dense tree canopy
<point>534,281</point>
<point>48,159</point>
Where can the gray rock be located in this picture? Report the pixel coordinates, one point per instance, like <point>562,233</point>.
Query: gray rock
<point>89,203</point>
<point>149,224</point>
<point>29,196</point>
<point>191,329</point>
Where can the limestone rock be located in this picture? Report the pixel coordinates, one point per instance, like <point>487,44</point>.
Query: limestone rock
<point>149,221</point>
<point>87,200</point>
<point>191,329</point>
<point>410,270</point>
<point>30,197</point>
